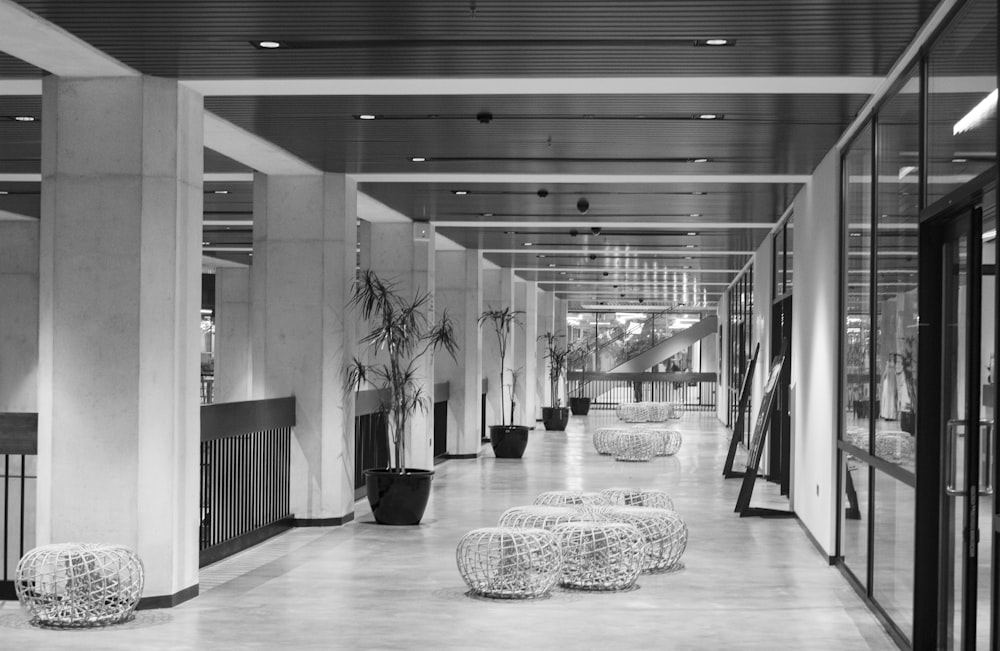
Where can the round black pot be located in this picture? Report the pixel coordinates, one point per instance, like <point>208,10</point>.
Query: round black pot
<point>555,418</point>
<point>398,498</point>
<point>508,441</point>
<point>579,406</point>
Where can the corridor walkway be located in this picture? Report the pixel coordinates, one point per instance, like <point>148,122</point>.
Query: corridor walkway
<point>746,583</point>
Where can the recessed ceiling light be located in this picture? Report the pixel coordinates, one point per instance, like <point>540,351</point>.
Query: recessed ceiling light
<point>366,116</point>
<point>487,214</point>
<point>697,194</point>
<point>708,116</point>
<point>689,246</point>
<point>418,159</point>
<point>460,193</point>
<point>527,243</point>
<point>552,264</point>
<point>4,192</point>
<point>959,160</point>
<point>206,243</point>
<point>717,41</point>
<point>221,192</point>
<point>695,214</point>
<point>562,273</point>
<point>24,118</point>
<point>699,160</point>
<point>687,266</point>
<point>855,234</point>
<point>688,257</point>
<point>269,45</point>
<point>540,255</point>
<point>692,233</point>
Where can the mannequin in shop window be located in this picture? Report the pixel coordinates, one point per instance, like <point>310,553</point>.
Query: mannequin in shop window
<point>887,392</point>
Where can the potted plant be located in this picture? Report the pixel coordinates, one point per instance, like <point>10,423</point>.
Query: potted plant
<point>579,405</point>
<point>400,336</point>
<point>555,416</point>
<point>508,441</point>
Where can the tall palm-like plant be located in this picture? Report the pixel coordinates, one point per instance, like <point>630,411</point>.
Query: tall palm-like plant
<point>557,355</point>
<point>400,336</point>
<point>502,321</point>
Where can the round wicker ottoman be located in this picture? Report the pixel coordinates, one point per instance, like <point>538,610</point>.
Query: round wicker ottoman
<point>665,533</point>
<point>506,563</point>
<point>79,585</point>
<point>600,555</point>
<point>658,412</point>
<point>541,516</point>
<point>633,446</point>
<point>649,497</point>
<point>569,498</point>
<point>666,442</point>
<point>604,439</point>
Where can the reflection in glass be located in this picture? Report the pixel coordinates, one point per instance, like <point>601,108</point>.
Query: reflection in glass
<point>892,584</point>
<point>854,517</point>
<point>961,103</point>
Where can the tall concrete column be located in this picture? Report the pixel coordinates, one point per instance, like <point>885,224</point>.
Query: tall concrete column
<point>19,316</point>
<point>404,254</point>
<point>233,348</point>
<point>526,351</point>
<point>119,336</point>
<point>303,338</point>
<point>459,292</point>
<point>546,311</point>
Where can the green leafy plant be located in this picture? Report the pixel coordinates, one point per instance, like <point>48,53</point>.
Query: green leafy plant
<point>400,336</point>
<point>503,321</point>
<point>557,355</point>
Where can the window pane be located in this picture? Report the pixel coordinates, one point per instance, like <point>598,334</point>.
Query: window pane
<point>962,100</point>
<point>892,584</point>
<point>854,517</point>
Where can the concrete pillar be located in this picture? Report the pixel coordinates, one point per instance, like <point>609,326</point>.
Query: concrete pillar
<point>526,351</point>
<point>233,348</point>
<point>119,336</point>
<point>404,254</point>
<point>19,316</point>
<point>303,338</point>
<point>459,292</point>
<point>560,310</point>
<point>542,385</point>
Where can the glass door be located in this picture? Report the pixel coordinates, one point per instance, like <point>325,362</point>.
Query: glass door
<point>960,250</point>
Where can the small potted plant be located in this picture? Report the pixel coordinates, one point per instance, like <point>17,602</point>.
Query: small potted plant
<point>400,336</point>
<point>508,441</point>
<point>555,416</point>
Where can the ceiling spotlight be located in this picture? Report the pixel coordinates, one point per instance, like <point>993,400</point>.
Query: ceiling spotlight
<point>621,295</point>
<point>641,299</point>
<point>543,193</point>
<point>583,205</point>
<point>606,273</point>
<point>593,256</point>
<point>614,286</point>
<point>484,117</point>
<point>596,230</point>
<point>366,116</point>
<point>269,45</point>
<point>418,159</point>
<point>574,232</point>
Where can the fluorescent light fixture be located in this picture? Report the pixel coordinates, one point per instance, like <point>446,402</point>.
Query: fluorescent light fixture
<point>528,244</point>
<point>220,192</point>
<point>906,171</point>
<point>4,192</point>
<point>699,160</point>
<point>979,114</point>
<point>24,118</point>
<point>692,233</point>
<point>708,116</point>
<point>417,159</point>
<point>205,311</point>
<point>366,116</point>
<point>717,41</point>
<point>269,45</point>
<point>460,193</point>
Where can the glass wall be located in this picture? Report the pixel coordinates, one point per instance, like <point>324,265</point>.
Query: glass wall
<point>782,247</point>
<point>741,307</point>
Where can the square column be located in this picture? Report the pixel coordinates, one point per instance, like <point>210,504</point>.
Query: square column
<point>546,311</point>
<point>233,356</point>
<point>404,254</point>
<point>19,316</point>
<point>303,265</point>
<point>525,351</point>
<point>459,292</point>
<point>119,336</point>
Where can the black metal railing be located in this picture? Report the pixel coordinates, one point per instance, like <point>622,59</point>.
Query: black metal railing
<point>693,391</point>
<point>19,464</point>
<point>245,474</point>
<point>371,444</point>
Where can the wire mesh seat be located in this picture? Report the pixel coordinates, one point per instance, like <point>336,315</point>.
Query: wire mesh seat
<point>600,555</point>
<point>666,442</point>
<point>569,498</point>
<point>541,516</point>
<point>664,531</point>
<point>634,445</point>
<point>509,563</point>
<point>648,497</point>
<point>79,585</point>
<point>604,438</point>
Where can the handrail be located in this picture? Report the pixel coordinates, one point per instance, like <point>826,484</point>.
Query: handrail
<point>226,419</point>
<point>589,376</point>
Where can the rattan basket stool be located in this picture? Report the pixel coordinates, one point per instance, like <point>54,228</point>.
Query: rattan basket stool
<point>509,563</point>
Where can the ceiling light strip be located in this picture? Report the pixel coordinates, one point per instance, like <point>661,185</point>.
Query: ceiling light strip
<point>468,178</point>
<point>618,254</point>
<point>585,224</point>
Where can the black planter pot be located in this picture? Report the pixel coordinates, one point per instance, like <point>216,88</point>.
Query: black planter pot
<point>508,441</point>
<point>907,422</point>
<point>579,406</point>
<point>396,498</point>
<point>555,418</point>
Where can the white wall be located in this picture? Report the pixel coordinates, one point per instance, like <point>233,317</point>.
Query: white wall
<point>815,337</point>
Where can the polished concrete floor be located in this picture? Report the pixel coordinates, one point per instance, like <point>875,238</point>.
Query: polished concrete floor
<point>746,583</point>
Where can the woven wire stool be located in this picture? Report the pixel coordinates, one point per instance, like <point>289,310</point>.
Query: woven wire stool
<point>674,411</point>
<point>505,563</point>
<point>636,412</point>
<point>666,535</point>
<point>600,555</point>
<point>570,498</point>
<point>648,497</point>
<point>666,442</point>
<point>892,445</point>
<point>541,516</point>
<point>620,410</point>
<point>658,412</point>
<point>79,585</point>
<point>604,438</point>
<point>633,446</point>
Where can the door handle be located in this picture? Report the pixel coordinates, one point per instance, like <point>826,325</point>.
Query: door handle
<point>952,436</point>
<point>987,459</point>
